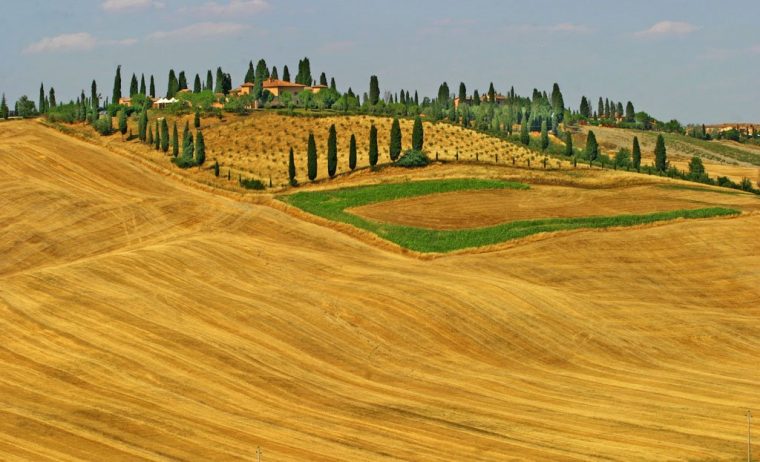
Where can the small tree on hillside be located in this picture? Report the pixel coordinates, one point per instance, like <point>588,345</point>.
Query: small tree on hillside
<point>142,125</point>
<point>395,144</point>
<point>164,135</point>
<point>175,141</point>
<point>373,145</point>
<point>197,84</point>
<point>200,149</point>
<point>188,148</point>
<point>636,156</point>
<point>569,145</point>
<point>418,135</point>
<point>592,148</point>
<point>524,134</point>
<point>696,167</point>
<point>216,168</point>
<point>374,90</point>
<point>197,120</point>
<point>332,151</point>
<point>157,138</point>
<point>149,139</point>
<point>292,169</point>
<point>311,158</point>
<point>544,135</point>
<point>352,153</point>
<point>116,96</point>
<point>123,123</point>
<point>660,155</point>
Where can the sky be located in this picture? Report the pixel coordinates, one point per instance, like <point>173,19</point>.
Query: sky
<point>692,60</point>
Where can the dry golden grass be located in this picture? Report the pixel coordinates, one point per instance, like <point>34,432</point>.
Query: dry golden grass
<point>145,320</point>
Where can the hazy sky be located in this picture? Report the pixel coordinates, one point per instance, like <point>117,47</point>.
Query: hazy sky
<point>693,60</point>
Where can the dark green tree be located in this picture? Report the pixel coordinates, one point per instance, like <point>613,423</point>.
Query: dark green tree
<point>116,96</point>
<point>544,135</point>
<point>133,86</point>
<point>42,99</point>
<point>696,167</point>
<point>152,87</point>
<point>600,108</point>
<point>444,95</point>
<point>164,135</point>
<point>373,145</point>
<point>149,139</point>
<point>418,135</point>
<point>395,142</point>
<point>188,146</point>
<point>142,125</point>
<point>292,169</point>
<point>200,149</point>
<point>524,133</point>
<point>630,114</point>
<point>209,81</point>
<point>491,94</point>
<point>216,168</point>
<point>462,93</point>
<point>569,144</point>
<point>262,71</point>
<point>175,141</point>
<point>311,158</point>
<point>333,87</point>
<point>157,138</point>
<point>197,84</point>
<point>475,98</point>
<point>4,111</point>
<point>592,148</point>
<point>182,81</point>
<point>143,90</point>
<point>274,75</point>
<point>197,120</point>
<point>585,109</point>
<point>172,85</point>
<point>660,155</point>
<point>374,90</point>
<point>323,79</point>
<point>285,74</point>
<point>51,99</point>
<point>332,151</point>
<point>352,153</point>
<point>304,72</point>
<point>636,157</point>
<point>250,74</point>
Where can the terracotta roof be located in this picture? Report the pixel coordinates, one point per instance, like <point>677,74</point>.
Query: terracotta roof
<point>247,84</point>
<point>319,86</point>
<point>280,83</point>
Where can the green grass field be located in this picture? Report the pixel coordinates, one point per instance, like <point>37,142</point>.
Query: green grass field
<point>333,204</point>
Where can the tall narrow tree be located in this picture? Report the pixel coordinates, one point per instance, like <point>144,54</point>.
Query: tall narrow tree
<point>209,81</point>
<point>660,154</point>
<point>274,75</point>
<point>197,84</point>
<point>311,158</point>
<point>42,99</point>
<point>333,87</point>
<point>352,153</point>
<point>332,151</point>
<point>157,138</point>
<point>374,90</point>
<point>592,148</point>
<point>569,145</point>
<point>395,143</point>
<point>149,139</point>
<point>197,119</point>
<point>524,133</point>
<point>491,93</point>
<point>462,93</point>
<point>123,123</point>
<point>116,96</point>
<point>630,114</point>
<point>636,154</point>
<point>418,135</point>
<point>164,135</point>
<point>188,146</point>
<point>143,90</point>
<point>51,100</point>
<point>285,74</point>
<point>4,108</point>
<point>292,169</point>
<point>133,88</point>
<point>182,81</point>
<point>152,90</point>
<point>373,145</point>
<point>262,71</point>
<point>142,125</point>
<point>544,135</point>
<point>323,79</point>
<point>200,149</point>
<point>172,85</point>
<point>250,74</point>
<point>175,141</point>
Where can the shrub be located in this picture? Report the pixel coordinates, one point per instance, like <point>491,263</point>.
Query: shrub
<point>412,158</point>
<point>184,162</point>
<point>251,183</point>
<point>104,125</point>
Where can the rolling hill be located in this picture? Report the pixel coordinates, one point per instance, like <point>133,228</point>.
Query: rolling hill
<point>148,318</point>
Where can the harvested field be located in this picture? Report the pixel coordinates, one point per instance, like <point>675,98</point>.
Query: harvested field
<point>145,320</point>
<point>475,209</point>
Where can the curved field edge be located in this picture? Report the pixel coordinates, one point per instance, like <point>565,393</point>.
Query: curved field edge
<point>332,205</point>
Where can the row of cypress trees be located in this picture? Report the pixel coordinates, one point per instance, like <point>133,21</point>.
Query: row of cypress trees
<point>332,149</point>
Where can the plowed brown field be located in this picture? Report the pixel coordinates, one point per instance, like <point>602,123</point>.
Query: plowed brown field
<point>145,320</point>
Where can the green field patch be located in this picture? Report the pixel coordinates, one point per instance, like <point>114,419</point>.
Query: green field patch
<point>332,205</point>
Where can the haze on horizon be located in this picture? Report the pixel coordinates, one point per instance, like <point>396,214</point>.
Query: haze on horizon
<point>690,60</point>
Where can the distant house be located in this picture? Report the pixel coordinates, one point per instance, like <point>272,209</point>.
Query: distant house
<point>125,101</point>
<point>280,87</point>
<point>162,103</point>
<point>317,88</point>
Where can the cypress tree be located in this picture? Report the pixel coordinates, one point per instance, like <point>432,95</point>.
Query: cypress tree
<point>209,81</point>
<point>152,87</point>
<point>491,93</point>
<point>630,114</point>
<point>373,145</point>
<point>544,135</point>
<point>250,74</point>
<point>172,85</point>
<point>216,168</point>
<point>333,87</point>
<point>123,122</point>
<point>197,119</point>
<point>143,90</point>
<point>352,153</point>
<point>568,144</point>
<point>274,75</point>
<point>418,135</point>
<point>395,144</point>
<point>524,135</point>
<point>323,79</point>
<point>592,148</point>
<point>292,169</point>
<point>142,125</point>
<point>164,135</point>
<point>133,86</point>
<point>182,83</point>
<point>332,151</point>
<point>149,139</point>
<point>42,99</point>
<point>157,140</point>
<point>585,109</point>
<point>285,74</point>
<point>476,98</point>
<point>197,84</point>
<point>636,154</point>
<point>200,149</point>
<point>374,90</point>
<point>52,97</point>
<point>116,96</point>
<point>4,108</point>
<point>660,155</point>
<point>188,146</point>
<point>462,93</point>
<point>600,108</point>
<point>175,141</point>
<point>311,158</point>
<point>219,88</point>
<point>262,71</point>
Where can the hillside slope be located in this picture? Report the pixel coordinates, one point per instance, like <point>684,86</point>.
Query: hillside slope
<point>144,320</point>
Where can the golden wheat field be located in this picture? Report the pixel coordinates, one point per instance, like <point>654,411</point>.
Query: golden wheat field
<point>145,318</point>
